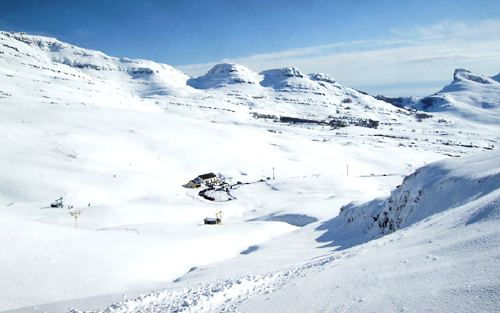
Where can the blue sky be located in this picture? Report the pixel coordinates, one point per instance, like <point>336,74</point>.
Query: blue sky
<point>395,48</point>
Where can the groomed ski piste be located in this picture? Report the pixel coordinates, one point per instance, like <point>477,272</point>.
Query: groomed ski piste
<point>339,202</point>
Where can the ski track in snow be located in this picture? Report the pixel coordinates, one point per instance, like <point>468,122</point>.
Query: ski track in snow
<point>222,296</point>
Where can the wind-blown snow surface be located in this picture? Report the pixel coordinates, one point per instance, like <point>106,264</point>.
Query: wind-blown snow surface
<point>117,139</point>
<point>445,259</point>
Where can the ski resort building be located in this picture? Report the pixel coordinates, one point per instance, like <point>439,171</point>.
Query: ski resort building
<point>209,178</point>
<point>212,221</point>
<point>204,179</point>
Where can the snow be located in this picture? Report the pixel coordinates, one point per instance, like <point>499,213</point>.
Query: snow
<point>469,96</point>
<point>224,74</point>
<point>316,224</point>
<point>463,74</point>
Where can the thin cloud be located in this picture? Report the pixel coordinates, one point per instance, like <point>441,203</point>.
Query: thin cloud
<point>460,30</point>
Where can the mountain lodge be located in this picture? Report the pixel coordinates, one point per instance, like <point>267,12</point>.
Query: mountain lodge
<point>203,179</point>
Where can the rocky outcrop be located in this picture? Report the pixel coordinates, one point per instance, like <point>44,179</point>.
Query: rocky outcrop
<point>462,74</point>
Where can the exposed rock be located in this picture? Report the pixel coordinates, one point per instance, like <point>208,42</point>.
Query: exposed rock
<point>462,74</point>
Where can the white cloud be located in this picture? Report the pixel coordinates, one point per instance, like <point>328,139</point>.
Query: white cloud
<point>408,59</point>
<point>456,29</point>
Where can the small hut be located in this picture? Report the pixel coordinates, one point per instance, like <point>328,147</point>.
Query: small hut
<point>214,221</point>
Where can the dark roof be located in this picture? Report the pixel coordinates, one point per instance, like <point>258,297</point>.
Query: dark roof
<point>207,176</point>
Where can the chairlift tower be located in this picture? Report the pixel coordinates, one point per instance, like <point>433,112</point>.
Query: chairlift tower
<point>219,217</point>
<point>75,214</point>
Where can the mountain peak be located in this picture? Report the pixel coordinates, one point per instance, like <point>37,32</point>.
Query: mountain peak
<point>287,77</point>
<point>322,78</point>
<point>225,68</point>
<point>496,78</point>
<point>465,75</point>
<point>224,74</point>
<point>48,44</point>
<point>283,72</point>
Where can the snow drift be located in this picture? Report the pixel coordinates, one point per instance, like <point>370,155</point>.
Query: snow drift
<point>432,189</point>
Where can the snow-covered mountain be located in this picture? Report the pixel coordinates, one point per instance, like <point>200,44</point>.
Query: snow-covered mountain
<point>496,78</point>
<point>314,96</point>
<point>25,58</point>
<point>469,95</point>
<point>304,158</point>
<point>223,74</point>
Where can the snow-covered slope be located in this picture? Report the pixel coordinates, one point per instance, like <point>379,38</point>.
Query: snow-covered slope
<point>496,78</point>
<point>442,186</point>
<point>443,257</point>
<point>289,77</point>
<point>117,139</point>
<point>287,92</point>
<point>60,61</point>
<point>470,96</point>
<point>445,250</point>
<point>224,74</point>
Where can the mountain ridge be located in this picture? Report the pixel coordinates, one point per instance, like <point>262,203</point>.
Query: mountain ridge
<point>463,97</point>
<point>469,95</point>
<point>279,92</point>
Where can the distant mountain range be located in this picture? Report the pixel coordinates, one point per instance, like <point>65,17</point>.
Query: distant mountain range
<point>275,92</point>
<point>469,95</point>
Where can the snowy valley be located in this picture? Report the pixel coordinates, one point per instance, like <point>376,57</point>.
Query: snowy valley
<point>339,201</point>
